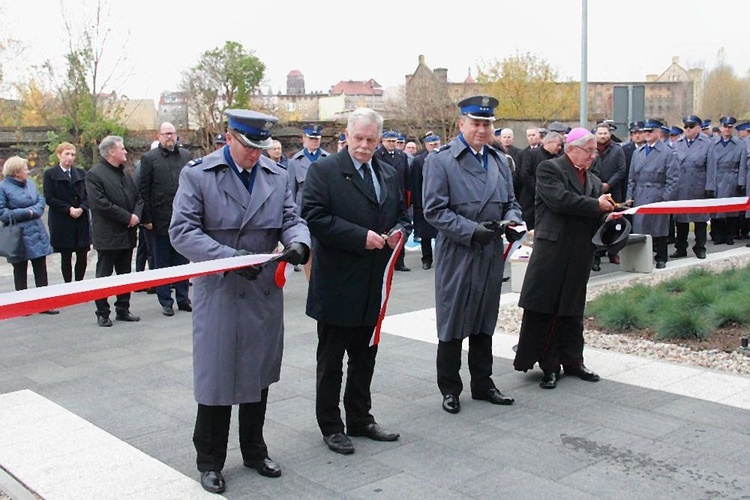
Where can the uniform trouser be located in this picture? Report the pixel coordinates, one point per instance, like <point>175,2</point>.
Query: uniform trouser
<point>120,262</point>
<point>683,228</point>
<point>166,256</point>
<point>400,258</point>
<point>426,244</point>
<point>66,263</point>
<point>143,254</point>
<point>660,246</point>
<point>480,365</point>
<point>550,340</point>
<point>211,433</point>
<point>333,342</point>
<point>743,228</point>
<point>20,276</point>
<point>724,229</point>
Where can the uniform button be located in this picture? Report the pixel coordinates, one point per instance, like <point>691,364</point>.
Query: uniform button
<point>242,294</point>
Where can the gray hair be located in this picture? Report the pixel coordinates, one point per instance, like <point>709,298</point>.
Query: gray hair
<point>13,165</point>
<point>551,137</point>
<point>364,115</point>
<point>507,131</point>
<point>584,139</point>
<point>108,143</point>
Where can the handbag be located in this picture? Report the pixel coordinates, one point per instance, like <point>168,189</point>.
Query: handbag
<point>11,240</point>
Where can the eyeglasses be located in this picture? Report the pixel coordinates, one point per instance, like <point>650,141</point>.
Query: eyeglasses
<point>246,146</point>
<point>691,125</point>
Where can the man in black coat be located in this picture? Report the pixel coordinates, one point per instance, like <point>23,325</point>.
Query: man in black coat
<point>504,144</point>
<point>116,208</point>
<point>388,153</point>
<point>424,229</point>
<point>355,211</point>
<point>159,174</point>
<point>569,209</point>
<point>551,147</point>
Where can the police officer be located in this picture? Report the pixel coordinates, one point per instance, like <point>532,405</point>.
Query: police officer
<point>692,159</point>
<point>302,159</point>
<point>743,131</point>
<point>468,198</point>
<point>426,232</point>
<point>389,153</point>
<point>236,202</point>
<point>219,141</point>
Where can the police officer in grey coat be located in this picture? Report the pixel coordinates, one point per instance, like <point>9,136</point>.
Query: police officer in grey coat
<point>468,197</point>
<point>236,202</point>
<point>300,161</point>
<point>692,157</point>
<point>725,178</point>
<point>653,177</point>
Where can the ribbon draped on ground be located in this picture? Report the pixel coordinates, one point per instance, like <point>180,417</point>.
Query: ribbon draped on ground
<point>35,300</point>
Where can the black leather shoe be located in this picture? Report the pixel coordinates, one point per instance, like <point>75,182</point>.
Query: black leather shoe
<point>403,268</point>
<point>212,481</point>
<point>339,443</point>
<point>596,266</point>
<point>549,380</point>
<point>265,467</point>
<point>374,432</point>
<point>678,253</point>
<point>127,316</point>
<point>730,241</point>
<point>701,254</point>
<point>103,321</point>
<point>185,306</point>
<point>50,312</point>
<point>494,396</point>
<point>167,311</point>
<point>451,403</point>
<point>151,291</point>
<point>660,264</point>
<point>426,265</point>
<point>581,372</point>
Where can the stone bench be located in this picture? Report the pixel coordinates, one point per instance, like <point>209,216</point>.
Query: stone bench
<point>638,254</point>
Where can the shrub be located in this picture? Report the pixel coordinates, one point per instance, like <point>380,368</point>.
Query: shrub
<point>699,297</point>
<point>682,322</point>
<point>622,315</point>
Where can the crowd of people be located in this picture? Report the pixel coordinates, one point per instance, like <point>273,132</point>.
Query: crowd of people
<point>342,215</point>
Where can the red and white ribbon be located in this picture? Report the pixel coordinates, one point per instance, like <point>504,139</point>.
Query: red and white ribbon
<point>35,300</point>
<point>386,290</point>
<point>706,206</point>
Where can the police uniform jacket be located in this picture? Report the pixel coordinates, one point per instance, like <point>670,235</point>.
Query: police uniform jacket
<point>397,160</point>
<point>727,170</point>
<point>157,181</point>
<point>423,228</point>
<point>237,324</point>
<point>113,199</point>
<point>458,194</point>
<point>346,280</point>
<point>61,193</point>
<point>297,166</point>
<point>610,167</point>
<point>653,178</point>
<point>692,162</point>
<point>567,217</point>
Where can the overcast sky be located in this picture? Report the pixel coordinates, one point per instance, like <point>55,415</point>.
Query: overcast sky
<point>331,40</point>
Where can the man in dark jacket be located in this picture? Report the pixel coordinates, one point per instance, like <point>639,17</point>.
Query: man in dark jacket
<point>116,208</point>
<point>569,209</point>
<point>157,183</point>
<point>504,143</point>
<point>355,210</point>
<point>551,147</point>
<point>421,227</point>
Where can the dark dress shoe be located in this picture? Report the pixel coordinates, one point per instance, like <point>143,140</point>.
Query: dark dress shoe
<point>185,306</point>
<point>660,264</point>
<point>339,443</point>
<point>581,372</point>
<point>150,291</point>
<point>212,481</point>
<point>374,432</point>
<point>265,467</point>
<point>701,254</point>
<point>451,403</point>
<point>403,268</point>
<point>426,265</point>
<point>549,380</point>
<point>494,396</point>
<point>596,267</point>
<point>167,311</point>
<point>127,316</point>
<point>730,241</point>
<point>50,312</point>
<point>103,321</point>
<point>614,259</point>
<point>678,253</point>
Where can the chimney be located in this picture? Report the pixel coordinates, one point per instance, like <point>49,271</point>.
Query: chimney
<point>675,59</point>
<point>421,59</point>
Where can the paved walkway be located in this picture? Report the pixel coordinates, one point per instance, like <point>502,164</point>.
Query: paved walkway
<point>88,412</point>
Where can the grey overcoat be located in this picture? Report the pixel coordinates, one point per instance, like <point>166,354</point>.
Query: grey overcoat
<point>458,194</point>
<point>298,165</point>
<point>237,324</point>
<point>653,178</point>
<point>692,162</point>
<point>727,170</point>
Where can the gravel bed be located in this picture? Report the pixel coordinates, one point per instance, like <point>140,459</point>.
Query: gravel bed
<point>736,362</point>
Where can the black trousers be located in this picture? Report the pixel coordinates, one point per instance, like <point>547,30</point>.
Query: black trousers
<point>660,245</point>
<point>683,228</point>
<point>143,253</point>
<point>550,340</point>
<point>66,263</point>
<point>166,256</point>
<point>724,229</point>
<point>120,262</point>
<point>480,365</point>
<point>20,277</point>
<point>333,342</point>
<point>426,244</point>
<point>211,433</point>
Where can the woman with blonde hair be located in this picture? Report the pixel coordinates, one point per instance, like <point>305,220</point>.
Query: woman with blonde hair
<point>21,203</point>
<point>68,218</point>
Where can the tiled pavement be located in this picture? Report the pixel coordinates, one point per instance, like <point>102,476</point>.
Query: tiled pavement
<point>88,412</point>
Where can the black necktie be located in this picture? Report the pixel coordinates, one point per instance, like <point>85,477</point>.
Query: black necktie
<point>367,177</point>
<point>245,178</point>
<point>70,176</point>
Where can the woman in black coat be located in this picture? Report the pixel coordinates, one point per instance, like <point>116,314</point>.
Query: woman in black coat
<point>68,220</point>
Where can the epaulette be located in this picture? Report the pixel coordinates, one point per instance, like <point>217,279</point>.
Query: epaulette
<point>442,148</point>
<point>194,162</point>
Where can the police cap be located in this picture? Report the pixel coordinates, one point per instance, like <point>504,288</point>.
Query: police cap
<point>743,126</point>
<point>253,128</point>
<point>651,124</point>
<point>313,131</point>
<point>675,130</point>
<point>728,121</point>
<point>479,107</point>
<point>692,120</point>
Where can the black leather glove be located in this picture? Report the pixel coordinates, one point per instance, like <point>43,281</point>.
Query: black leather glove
<point>710,194</point>
<point>741,190</point>
<point>250,273</point>
<point>511,234</point>
<point>485,232</point>
<point>296,254</point>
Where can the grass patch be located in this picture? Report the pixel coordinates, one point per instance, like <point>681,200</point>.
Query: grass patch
<point>683,323</point>
<point>623,316</point>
